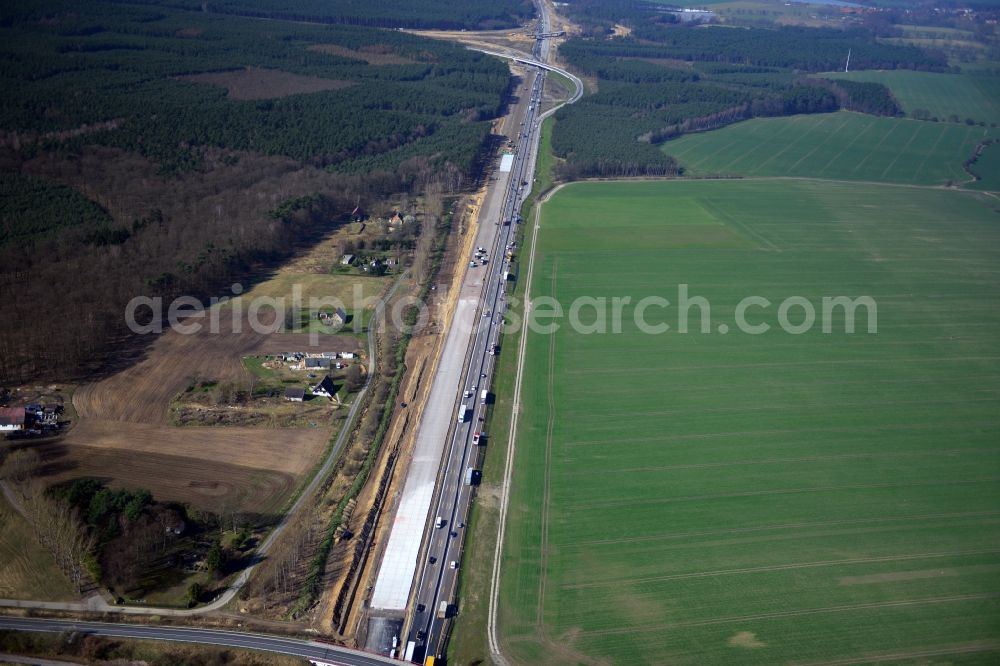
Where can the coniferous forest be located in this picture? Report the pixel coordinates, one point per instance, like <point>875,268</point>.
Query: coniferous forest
<point>144,145</point>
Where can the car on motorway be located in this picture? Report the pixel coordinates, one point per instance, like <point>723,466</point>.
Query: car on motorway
<point>461,525</point>
<point>439,522</point>
<point>421,608</point>
<point>454,564</point>
<point>467,393</point>
<point>476,437</point>
<point>472,264</point>
<point>432,559</point>
<point>487,313</point>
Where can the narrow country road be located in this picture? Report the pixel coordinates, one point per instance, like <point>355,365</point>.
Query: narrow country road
<point>234,639</point>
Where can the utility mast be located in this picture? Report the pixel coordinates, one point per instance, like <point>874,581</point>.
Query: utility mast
<point>847,66</point>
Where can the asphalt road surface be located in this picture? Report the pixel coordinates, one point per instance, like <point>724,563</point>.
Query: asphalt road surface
<point>443,550</point>
<point>329,654</point>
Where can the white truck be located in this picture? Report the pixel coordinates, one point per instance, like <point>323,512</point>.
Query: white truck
<point>483,395</point>
<point>463,413</point>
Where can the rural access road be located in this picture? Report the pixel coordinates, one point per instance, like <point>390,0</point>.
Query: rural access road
<point>314,650</point>
<point>97,603</point>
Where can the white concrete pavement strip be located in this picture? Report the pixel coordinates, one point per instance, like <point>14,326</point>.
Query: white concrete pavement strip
<point>399,561</point>
<point>392,588</point>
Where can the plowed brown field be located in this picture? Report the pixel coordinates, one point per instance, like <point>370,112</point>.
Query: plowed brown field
<point>207,485</point>
<point>123,436</point>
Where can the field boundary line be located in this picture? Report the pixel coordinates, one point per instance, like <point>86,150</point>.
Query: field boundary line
<point>822,143</point>
<point>511,441</point>
<point>546,476</point>
<point>754,147</point>
<point>789,145</point>
<point>779,461</point>
<point>742,409</point>
<point>739,225</point>
<point>788,567</point>
<point>920,169</point>
<point>874,148</point>
<point>899,603</point>
<point>959,648</point>
<point>804,490</point>
<point>899,153</point>
<point>788,526</point>
<point>832,160</point>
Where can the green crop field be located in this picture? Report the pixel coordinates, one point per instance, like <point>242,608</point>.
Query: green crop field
<point>842,145</point>
<point>709,498</point>
<point>942,95</point>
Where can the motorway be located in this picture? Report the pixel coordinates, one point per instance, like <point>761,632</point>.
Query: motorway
<point>312,650</point>
<point>438,574</point>
<point>437,580</point>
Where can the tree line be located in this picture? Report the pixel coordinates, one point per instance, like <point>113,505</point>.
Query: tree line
<point>441,14</point>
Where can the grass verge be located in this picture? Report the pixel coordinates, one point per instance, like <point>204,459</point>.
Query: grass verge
<point>468,644</point>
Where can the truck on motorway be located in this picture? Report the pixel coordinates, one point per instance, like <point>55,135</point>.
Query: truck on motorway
<point>463,413</point>
<point>470,476</point>
<point>443,609</point>
<point>482,396</point>
<point>410,647</point>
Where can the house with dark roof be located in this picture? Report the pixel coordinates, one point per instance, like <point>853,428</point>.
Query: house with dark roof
<point>295,394</point>
<point>11,419</point>
<point>317,363</point>
<point>325,388</point>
